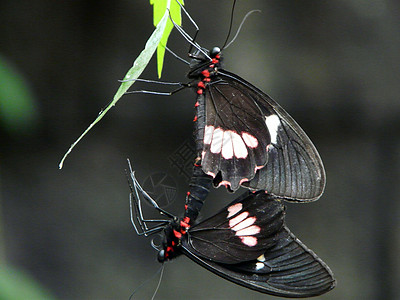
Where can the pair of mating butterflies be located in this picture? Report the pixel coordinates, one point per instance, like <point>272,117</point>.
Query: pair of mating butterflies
<point>245,139</point>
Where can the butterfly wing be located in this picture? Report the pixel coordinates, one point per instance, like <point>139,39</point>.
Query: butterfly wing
<point>271,261</point>
<point>250,140</point>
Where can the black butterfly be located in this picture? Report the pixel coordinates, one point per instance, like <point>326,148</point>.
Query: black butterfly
<point>244,138</point>
<point>247,243</point>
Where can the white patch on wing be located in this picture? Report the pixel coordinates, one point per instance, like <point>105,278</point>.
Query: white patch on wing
<point>273,124</point>
<point>249,240</point>
<point>239,147</point>
<point>250,140</point>
<point>243,226</point>
<point>238,219</point>
<point>246,223</point>
<point>251,230</point>
<point>259,266</point>
<point>234,209</point>
<point>227,145</point>
<point>216,143</point>
<point>261,257</point>
<point>228,142</point>
<point>208,131</point>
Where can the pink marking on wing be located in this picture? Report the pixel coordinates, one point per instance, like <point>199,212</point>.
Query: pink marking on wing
<point>239,147</point>
<point>250,140</point>
<point>252,230</point>
<point>234,209</point>
<point>238,219</point>
<point>216,143</point>
<point>246,223</point>
<point>227,145</point>
<point>211,174</point>
<point>208,132</point>
<point>224,183</point>
<point>243,180</point>
<point>258,168</point>
<point>250,241</point>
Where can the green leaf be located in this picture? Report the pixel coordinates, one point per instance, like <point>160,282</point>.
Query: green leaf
<point>16,284</point>
<point>18,111</point>
<point>134,72</point>
<point>159,7</point>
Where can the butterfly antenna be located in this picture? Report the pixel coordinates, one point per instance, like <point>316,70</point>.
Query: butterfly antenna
<point>240,27</point>
<point>159,281</point>
<point>230,25</point>
<point>161,269</point>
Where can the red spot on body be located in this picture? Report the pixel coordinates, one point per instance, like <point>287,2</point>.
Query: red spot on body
<point>205,73</point>
<point>214,61</point>
<point>186,207</point>
<point>177,234</point>
<point>207,79</point>
<point>201,84</point>
<point>199,91</point>
<point>195,119</point>
<point>197,104</point>
<point>218,56</point>
<point>186,220</point>
<point>212,66</point>
<point>184,224</point>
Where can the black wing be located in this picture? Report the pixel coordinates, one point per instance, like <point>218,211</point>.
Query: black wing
<point>272,261</point>
<point>250,140</point>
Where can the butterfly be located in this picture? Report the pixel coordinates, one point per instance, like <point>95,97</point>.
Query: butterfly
<point>247,242</point>
<point>244,138</point>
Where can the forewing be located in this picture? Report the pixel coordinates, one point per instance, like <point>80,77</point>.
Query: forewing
<point>294,170</point>
<point>235,135</point>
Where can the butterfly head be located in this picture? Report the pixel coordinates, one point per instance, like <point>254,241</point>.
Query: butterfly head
<point>204,60</point>
<point>173,233</point>
<point>161,256</point>
<point>216,51</point>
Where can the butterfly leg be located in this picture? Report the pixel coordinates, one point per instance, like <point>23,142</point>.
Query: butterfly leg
<point>139,222</point>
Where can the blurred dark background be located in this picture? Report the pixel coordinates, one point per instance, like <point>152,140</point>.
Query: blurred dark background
<point>66,234</point>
